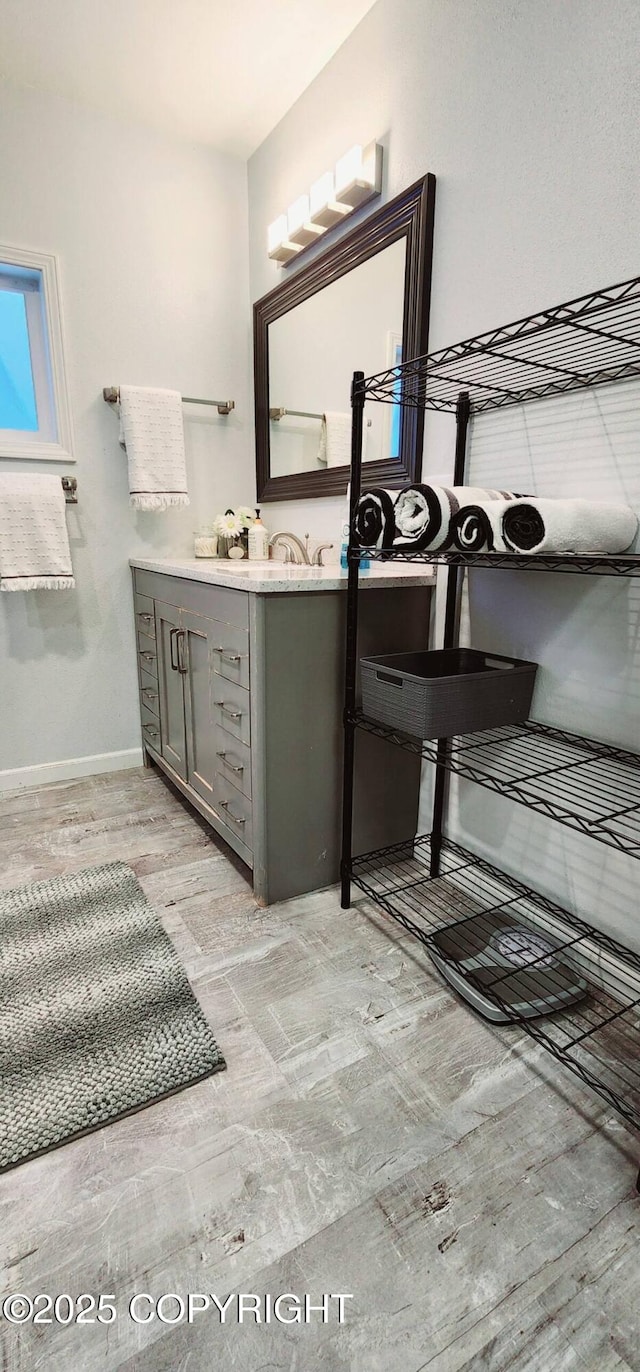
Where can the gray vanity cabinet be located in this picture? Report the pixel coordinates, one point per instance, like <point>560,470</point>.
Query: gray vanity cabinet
<point>241,706</point>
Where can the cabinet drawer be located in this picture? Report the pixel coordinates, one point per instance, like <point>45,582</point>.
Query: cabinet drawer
<point>149,695</point>
<point>148,660</point>
<point>145,620</point>
<point>233,809</point>
<point>233,760</point>
<point>150,728</point>
<point>146,642</point>
<point>230,708</point>
<point>231,654</point>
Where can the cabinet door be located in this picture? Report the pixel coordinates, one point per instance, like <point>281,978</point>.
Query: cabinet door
<point>171,694</point>
<point>197,654</point>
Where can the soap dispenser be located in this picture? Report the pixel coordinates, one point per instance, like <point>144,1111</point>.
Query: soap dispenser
<point>258,540</point>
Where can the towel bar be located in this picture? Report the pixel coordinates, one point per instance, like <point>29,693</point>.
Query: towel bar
<point>112,395</point>
<point>70,488</point>
<point>279,412</point>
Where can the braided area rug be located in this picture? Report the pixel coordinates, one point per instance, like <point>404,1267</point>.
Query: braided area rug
<point>97,1017</point>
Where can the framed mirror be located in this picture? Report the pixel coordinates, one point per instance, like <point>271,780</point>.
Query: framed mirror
<point>362,304</point>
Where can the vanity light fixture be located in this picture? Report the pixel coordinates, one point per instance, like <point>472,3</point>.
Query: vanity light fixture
<point>300,229</point>
<point>356,179</point>
<point>325,210</point>
<point>280,248</point>
<point>359,175</point>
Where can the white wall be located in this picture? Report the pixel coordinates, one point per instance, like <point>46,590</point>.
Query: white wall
<point>151,239</point>
<point>526,111</point>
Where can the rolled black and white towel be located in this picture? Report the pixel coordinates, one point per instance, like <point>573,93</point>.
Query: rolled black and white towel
<point>478,528</point>
<point>423,514</point>
<point>543,525</point>
<point>374,523</point>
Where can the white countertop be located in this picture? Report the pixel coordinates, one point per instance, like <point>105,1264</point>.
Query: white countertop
<point>262,577</point>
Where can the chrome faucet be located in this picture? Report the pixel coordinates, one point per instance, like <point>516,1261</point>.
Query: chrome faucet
<point>298,552</point>
<point>316,560</point>
<point>295,549</point>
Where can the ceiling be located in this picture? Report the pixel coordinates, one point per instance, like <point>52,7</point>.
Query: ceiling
<point>215,71</point>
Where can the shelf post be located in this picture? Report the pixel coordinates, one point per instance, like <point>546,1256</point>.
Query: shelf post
<point>351,662</point>
<point>463,411</point>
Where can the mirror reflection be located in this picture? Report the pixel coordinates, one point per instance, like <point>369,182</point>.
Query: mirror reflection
<point>313,349</point>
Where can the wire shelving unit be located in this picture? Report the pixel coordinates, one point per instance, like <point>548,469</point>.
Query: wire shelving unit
<point>430,883</point>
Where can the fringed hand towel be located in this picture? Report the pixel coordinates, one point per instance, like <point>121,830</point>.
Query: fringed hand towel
<point>423,514</point>
<point>152,434</point>
<point>335,439</point>
<point>34,543</point>
<point>535,525</point>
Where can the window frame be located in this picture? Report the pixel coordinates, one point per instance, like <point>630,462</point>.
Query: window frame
<point>53,439</point>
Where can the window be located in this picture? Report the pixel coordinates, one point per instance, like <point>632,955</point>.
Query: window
<point>34,410</point>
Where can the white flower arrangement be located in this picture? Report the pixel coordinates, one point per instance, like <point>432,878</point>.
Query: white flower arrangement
<point>228,525</point>
<point>234,522</point>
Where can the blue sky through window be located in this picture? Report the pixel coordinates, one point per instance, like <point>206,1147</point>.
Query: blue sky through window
<point>17,393</point>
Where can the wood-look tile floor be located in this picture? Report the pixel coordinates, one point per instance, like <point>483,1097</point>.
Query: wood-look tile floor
<point>370,1136</point>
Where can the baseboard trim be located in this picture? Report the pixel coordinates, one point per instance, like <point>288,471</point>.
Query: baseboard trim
<point>16,778</point>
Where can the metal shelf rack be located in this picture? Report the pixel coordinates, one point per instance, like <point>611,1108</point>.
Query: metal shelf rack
<point>620,564</point>
<point>589,786</point>
<point>596,1037</point>
<point>428,883</point>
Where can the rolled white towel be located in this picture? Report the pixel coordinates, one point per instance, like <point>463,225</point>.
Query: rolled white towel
<point>539,525</point>
<point>423,513</point>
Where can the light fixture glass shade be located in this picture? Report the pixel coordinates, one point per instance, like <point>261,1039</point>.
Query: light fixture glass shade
<point>278,246</point>
<point>359,175</point>
<point>299,228</point>
<point>323,207</point>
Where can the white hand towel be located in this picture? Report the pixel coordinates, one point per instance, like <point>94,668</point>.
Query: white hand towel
<point>335,439</point>
<point>539,525</point>
<point>34,544</point>
<point>152,433</point>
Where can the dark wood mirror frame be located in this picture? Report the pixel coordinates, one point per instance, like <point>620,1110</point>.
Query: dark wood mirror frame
<point>409,216</point>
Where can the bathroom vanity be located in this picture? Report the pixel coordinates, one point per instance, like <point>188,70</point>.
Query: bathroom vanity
<point>240,671</point>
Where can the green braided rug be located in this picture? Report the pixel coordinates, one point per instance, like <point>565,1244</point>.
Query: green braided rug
<point>97,1017</point>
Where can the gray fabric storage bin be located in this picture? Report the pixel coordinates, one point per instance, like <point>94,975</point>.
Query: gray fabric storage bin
<point>447,691</point>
